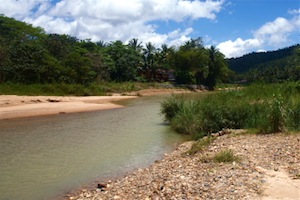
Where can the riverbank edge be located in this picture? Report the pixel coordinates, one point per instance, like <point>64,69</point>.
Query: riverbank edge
<point>265,159</point>
<point>13,106</point>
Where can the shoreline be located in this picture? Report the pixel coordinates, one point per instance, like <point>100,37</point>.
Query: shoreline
<point>13,106</point>
<point>265,160</point>
<point>268,163</point>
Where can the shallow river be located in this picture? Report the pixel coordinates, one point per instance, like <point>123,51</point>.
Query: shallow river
<point>44,157</point>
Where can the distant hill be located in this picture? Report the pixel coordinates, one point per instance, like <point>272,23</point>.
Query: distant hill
<point>280,59</point>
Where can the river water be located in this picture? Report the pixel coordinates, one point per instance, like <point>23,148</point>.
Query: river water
<point>44,157</point>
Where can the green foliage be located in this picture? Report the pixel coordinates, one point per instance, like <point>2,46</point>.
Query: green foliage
<point>268,108</point>
<point>196,64</point>
<point>226,156</point>
<point>30,56</point>
<point>273,66</point>
<point>54,89</point>
<point>187,119</point>
<point>265,59</point>
<point>171,106</point>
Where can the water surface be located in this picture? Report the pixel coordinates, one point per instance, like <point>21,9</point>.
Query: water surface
<point>43,157</point>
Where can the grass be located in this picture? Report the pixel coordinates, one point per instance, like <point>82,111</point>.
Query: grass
<point>226,156</point>
<point>200,145</point>
<point>268,108</point>
<point>55,89</point>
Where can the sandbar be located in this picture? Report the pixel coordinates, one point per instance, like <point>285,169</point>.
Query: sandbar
<point>13,106</point>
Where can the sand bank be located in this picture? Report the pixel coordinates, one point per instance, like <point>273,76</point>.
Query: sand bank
<point>12,106</point>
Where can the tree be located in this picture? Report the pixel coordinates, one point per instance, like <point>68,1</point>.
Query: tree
<point>150,66</point>
<point>135,45</point>
<point>216,64</point>
<point>126,62</point>
<point>192,44</point>
<point>60,46</point>
<point>101,44</point>
<point>190,62</point>
<point>166,56</point>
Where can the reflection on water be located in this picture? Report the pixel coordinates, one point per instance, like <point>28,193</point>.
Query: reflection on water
<point>45,156</point>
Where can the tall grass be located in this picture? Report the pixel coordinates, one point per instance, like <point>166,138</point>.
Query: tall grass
<point>56,89</point>
<point>267,108</point>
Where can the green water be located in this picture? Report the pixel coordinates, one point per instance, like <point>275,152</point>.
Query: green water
<point>44,157</point>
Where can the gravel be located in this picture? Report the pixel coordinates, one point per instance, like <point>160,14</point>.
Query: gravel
<point>198,176</point>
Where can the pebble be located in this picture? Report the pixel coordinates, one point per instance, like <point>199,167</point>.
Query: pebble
<point>178,176</point>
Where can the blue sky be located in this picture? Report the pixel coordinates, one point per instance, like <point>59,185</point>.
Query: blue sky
<point>235,27</point>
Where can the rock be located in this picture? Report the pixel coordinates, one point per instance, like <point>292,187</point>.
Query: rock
<point>102,186</point>
<point>187,177</point>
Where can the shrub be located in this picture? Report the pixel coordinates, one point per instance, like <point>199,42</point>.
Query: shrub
<point>268,108</point>
<point>187,119</point>
<point>171,106</point>
<point>293,119</point>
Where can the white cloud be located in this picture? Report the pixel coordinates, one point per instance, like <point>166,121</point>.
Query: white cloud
<point>294,12</point>
<point>261,51</point>
<point>273,34</point>
<point>19,8</point>
<point>238,47</point>
<point>111,20</point>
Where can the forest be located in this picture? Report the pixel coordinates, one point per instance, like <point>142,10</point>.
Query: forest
<point>271,67</point>
<point>29,55</point>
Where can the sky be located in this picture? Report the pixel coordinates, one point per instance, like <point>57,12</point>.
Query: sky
<point>235,27</point>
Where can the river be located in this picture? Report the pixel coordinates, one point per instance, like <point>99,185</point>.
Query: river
<point>45,157</point>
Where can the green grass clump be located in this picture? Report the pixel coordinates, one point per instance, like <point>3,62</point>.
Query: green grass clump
<point>200,145</point>
<point>266,108</point>
<point>226,156</point>
<point>171,106</point>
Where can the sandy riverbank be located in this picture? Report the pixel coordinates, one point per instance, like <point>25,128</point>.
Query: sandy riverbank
<point>12,106</point>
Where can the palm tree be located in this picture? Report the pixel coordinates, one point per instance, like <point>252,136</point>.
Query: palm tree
<point>135,45</point>
<point>149,59</point>
<point>192,44</point>
<point>101,44</point>
<point>217,62</point>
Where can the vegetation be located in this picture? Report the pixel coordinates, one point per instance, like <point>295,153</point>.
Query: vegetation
<point>200,145</point>
<point>94,89</point>
<point>268,108</point>
<point>226,156</point>
<point>30,56</point>
<point>273,66</point>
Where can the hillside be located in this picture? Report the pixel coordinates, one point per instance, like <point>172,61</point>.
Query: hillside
<point>282,58</point>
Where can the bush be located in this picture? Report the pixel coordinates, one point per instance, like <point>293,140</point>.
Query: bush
<point>187,119</point>
<point>171,106</point>
<point>268,108</point>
